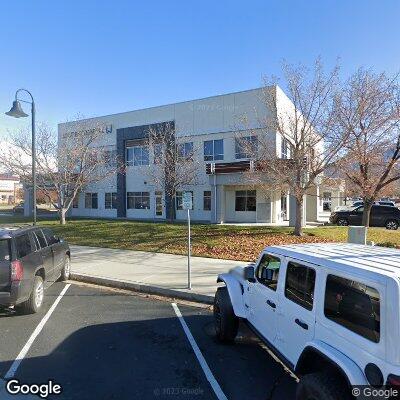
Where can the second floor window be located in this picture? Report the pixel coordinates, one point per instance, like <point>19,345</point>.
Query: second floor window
<point>214,150</point>
<point>185,151</point>
<point>246,147</point>
<point>110,200</point>
<point>91,200</point>
<point>158,153</point>
<point>137,155</point>
<point>110,158</point>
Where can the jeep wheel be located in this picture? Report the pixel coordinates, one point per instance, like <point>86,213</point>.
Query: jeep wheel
<point>342,222</point>
<point>392,224</point>
<point>322,385</point>
<point>225,321</point>
<point>35,301</point>
<point>66,269</point>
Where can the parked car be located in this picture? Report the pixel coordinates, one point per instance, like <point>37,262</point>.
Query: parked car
<point>18,209</point>
<point>329,312</point>
<point>387,216</point>
<point>31,259</point>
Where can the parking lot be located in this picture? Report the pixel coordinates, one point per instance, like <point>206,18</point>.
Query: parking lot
<point>106,344</point>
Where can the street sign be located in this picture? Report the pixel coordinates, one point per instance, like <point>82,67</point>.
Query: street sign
<point>187,200</point>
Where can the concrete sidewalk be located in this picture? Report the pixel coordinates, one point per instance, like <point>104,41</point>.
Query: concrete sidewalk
<point>155,273</point>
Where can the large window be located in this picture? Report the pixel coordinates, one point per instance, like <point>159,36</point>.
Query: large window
<point>23,245</point>
<point>139,200</point>
<point>178,198</point>
<point>75,201</point>
<point>268,271</point>
<point>245,200</point>
<point>91,200</point>
<point>207,200</point>
<point>300,283</point>
<point>185,150</point>
<point>110,200</point>
<point>137,155</point>
<point>246,147</point>
<point>214,150</point>
<point>353,305</point>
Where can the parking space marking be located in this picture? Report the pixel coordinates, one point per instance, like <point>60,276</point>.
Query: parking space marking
<point>203,363</point>
<point>13,369</point>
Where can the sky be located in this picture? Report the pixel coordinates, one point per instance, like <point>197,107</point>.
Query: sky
<point>101,57</point>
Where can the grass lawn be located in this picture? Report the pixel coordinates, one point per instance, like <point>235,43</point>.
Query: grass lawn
<point>218,241</point>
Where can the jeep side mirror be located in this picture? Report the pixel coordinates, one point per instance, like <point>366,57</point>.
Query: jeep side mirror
<point>248,273</point>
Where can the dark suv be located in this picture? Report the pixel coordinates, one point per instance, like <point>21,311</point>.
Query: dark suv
<point>387,216</point>
<point>31,259</point>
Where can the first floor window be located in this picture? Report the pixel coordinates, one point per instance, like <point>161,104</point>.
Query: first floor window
<point>246,147</point>
<point>207,200</point>
<point>91,200</point>
<point>110,200</point>
<point>178,198</point>
<point>245,200</point>
<point>75,201</point>
<point>139,200</point>
<point>159,203</point>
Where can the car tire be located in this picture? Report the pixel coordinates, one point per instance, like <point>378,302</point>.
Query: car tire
<point>35,301</point>
<point>343,222</point>
<point>66,271</point>
<point>225,321</point>
<point>321,385</point>
<point>392,225</point>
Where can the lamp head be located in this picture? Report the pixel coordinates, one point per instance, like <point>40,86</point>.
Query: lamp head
<point>16,110</point>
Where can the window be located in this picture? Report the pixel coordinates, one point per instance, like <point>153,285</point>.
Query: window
<point>110,158</point>
<point>268,271</point>
<point>40,238</point>
<point>4,250</point>
<point>300,283</point>
<point>353,305</point>
<point>185,151</point>
<point>159,204</point>
<point>179,200</point>
<point>139,200</point>
<point>246,147</point>
<point>245,200</point>
<point>110,200</point>
<point>75,202</point>
<point>137,155</point>
<point>214,150</point>
<point>23,245</point>
<point>158,153</point>
<point>91,200</point>
<point>207,200</point>
<point>285,148</point>
<point>50,237</point>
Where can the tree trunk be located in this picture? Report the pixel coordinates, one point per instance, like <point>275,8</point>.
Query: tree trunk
<point>367,211</point>
<point>62,213</point>
<point>298,227</point>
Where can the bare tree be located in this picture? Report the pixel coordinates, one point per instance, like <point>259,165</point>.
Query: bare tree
<point>176,163</point>
<point>65,165</point>
<point>304,121</point>
<point>369,115</point>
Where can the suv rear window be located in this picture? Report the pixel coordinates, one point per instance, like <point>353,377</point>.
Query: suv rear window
<point>4,250</point>
<point>353,305</point>
<point>23,245</point>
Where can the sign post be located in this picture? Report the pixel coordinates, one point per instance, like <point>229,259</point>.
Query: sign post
<point>187,205</point>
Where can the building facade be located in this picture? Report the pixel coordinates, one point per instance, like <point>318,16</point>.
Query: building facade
<point>208,127</point>
<point>10,189</point>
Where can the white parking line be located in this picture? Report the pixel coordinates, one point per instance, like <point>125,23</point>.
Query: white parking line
<point>203,363</point>
<point>13,369</point>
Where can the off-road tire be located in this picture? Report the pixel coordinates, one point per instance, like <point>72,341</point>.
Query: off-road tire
<point>32,305</point>
<point>225,321</point>
<point>322,385</point>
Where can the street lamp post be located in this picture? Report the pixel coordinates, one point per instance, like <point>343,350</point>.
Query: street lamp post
<point>17,112</point>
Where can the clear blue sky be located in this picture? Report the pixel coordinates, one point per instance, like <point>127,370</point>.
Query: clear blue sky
<point>102,57</point>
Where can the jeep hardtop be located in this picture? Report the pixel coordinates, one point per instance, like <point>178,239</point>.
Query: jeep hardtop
<point>330,312</point>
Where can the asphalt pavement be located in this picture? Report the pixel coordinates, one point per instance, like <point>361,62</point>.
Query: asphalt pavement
<point>105,344</point>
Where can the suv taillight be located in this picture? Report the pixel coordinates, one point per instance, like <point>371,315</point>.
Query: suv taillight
<point>393,380</point>
<point>17,271</point>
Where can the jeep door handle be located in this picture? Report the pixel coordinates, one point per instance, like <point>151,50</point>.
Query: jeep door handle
<point>301,323</point>
<point>271,304</point>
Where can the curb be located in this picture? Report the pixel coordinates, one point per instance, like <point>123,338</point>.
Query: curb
<point>139,287</point>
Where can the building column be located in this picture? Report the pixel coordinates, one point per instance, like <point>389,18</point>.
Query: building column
<point>217,204</point>
<point>312,204</point>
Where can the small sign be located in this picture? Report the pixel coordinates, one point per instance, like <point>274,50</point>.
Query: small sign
<point>187,200</point>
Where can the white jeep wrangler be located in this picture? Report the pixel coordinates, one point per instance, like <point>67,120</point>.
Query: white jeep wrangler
<point>330,312</point>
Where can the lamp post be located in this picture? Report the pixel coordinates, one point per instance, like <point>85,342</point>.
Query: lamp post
<point>17,112</point>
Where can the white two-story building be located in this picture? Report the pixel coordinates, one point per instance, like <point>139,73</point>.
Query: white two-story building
<point>209,126</point>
